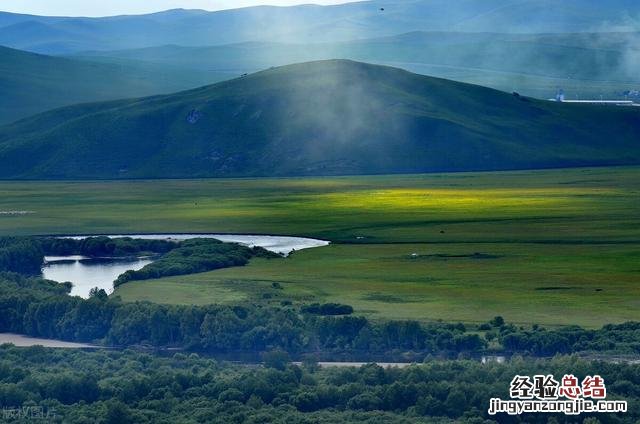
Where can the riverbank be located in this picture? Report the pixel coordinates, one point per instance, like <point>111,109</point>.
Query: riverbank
<point>20,340</point>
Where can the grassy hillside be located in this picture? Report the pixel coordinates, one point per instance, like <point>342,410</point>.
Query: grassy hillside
<point>319,118</point>
<point>32,83</point>
<point>313,23</point>
<point>586,65</point>
<point>552,247</point>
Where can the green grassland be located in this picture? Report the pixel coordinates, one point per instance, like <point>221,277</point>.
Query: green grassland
<point>525,283</point>
<point>549,247</point>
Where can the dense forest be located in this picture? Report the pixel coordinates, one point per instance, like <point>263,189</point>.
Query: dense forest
<point>120,387</point>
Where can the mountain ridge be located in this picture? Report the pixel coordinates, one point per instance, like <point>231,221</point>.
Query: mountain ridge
<point>320,118</point>
<point>367,19</point>
<point>601,64</point>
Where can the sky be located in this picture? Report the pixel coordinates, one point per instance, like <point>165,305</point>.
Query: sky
<point>122,7</point>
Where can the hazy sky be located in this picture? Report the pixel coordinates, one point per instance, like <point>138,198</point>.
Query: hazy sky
<point>119,7</point>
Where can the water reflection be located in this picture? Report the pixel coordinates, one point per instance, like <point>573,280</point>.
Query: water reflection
<point>86,273</point>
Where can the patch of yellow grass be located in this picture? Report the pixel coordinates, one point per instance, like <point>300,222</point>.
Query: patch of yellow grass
<point>455,199</point>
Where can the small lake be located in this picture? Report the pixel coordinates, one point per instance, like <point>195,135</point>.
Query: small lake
<point>87,273</point>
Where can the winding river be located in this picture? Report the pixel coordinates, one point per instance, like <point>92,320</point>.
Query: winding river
<point>87,273</point>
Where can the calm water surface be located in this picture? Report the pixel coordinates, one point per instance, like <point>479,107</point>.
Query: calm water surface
<point>86,274</point>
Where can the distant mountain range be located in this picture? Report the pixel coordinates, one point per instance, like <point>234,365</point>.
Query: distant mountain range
<point>532,64</point>
<point>308,23</point>
<point>318,118</point>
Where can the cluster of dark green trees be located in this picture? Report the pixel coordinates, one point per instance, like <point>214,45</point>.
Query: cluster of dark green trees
<point>20,254</point>
<point>196,255</point>
<point>621,338</point>
<point>102,246</point>
<point>116,387</point>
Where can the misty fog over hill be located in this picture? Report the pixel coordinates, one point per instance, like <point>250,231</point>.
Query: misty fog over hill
<point>318,118</point>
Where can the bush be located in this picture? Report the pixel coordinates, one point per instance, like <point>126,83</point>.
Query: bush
<point>277,359</point>
<point>20,254</point>
<point>230,395</point>
<point>365,402</point>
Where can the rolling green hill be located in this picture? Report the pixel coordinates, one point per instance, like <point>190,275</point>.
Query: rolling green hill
<point>32,83</point>
<point>318,118</point>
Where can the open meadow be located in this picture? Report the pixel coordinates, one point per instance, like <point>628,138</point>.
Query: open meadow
<point>555,247</point>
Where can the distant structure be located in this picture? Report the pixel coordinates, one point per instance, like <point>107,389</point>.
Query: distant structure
<point>632,93</point>
<point>560,97</point>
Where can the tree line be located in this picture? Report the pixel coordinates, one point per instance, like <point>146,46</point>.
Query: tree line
<point>32,306</point>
